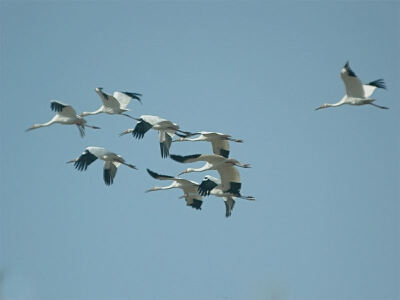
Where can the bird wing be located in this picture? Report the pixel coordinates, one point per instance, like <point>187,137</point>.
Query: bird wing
<point>108,100</point>
<point>165,142</point>
<point>207,185</point>
<point>141,128</point>
<point>229,204</point>
<point>193,200</point>
<point>153,120</point>
<point>84,160</point>
<point>370,87</point>
<point>351,82</point>
<point>220,147</point>
<point>110,169</point>
<point>63,109</point>
<point>230,178</point>
<point>184,182</point>
<point>187,158</point>
<point>124,98</point>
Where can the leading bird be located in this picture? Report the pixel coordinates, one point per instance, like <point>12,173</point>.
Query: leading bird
<point>356,92</point>
<point>66,115</point>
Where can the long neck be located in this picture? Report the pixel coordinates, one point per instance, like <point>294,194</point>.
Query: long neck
<point>341,102</point>
<point>206,167</point>
<point>159,188</point>
<point>52,121</point>
<point>100,110</point>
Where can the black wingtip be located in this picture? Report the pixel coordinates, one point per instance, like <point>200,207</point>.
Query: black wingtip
<point>379,83</point>
<point>152,174</point>
<point>349,70</point>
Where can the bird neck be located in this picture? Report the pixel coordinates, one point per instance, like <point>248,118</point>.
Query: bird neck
<point>86,113</point>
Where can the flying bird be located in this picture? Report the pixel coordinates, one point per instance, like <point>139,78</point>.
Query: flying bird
<point>115,104</point>
<point>191,191</point>
<point>356,92</point>
<point>66,115</point>
<point>189,188</point>
<point>226,167</point>
<point>166,130</point>
<point>111,162</point>
<point>219,141</point>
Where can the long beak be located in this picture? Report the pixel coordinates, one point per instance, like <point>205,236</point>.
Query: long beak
<point>72,161</point>
<point>319,107</point>
<point>125,132</point>
<point>181,173</point>
<point>150,190</point>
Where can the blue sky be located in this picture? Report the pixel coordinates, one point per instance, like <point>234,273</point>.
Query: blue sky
<point>325,223</point>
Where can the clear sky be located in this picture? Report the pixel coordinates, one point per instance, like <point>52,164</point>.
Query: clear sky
<point>325,223</point>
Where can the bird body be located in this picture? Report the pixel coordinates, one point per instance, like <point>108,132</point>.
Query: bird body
<point>65,115</point>
<point>111,162</point>
<point>226,167</point>
<point>356,92</point>
<point>114,104</point>
<point>219,141</point>
<point>166,130</point>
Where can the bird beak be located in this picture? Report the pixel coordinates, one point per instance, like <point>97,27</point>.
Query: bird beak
<point>123,133</point>
<point>182,173</point>
<point>319,107</point>
<point>150,190</point>
<point>71,161</point>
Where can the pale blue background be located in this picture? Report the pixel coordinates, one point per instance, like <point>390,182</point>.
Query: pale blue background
<point>325,224</point>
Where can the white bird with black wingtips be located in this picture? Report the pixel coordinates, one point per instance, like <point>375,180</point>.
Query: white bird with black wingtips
<point>356,92</point>
<point>192,190</point>
<point>219,141</point>
<point>65,115</point>
<point>111,162</point>
<point>192,197</point>
<point>166,130</point>
<point>226,168</point>
<point>115,104</point>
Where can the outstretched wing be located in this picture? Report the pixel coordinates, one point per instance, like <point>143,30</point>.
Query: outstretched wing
<point>108,100</point>
<point>229,204</point>
<point>141,128</point>
<point>370,87</point>
<point>110,170</point>
<point>230,178</point>
<point>186,159</point>
<point>84,160</point>
<point>159,176</point>
<point>124,98</point>
<point>165,142</point>
<point>63,109</point>
<point>351,82</point>
<point>220,147</point>
<point>194,201</point>
<point>206,186</point>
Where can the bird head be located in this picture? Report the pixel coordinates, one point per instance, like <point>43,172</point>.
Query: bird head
<point>325,105</point>
<point>99,89</point>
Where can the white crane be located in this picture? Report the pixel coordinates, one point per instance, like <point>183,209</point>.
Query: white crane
<point>189,188</point>
<point>111,162</point>
<point>115,104</point>
<point>229,174</point>
<point>66,115</point>
<point>191,191</point>
<point>219,141</point>
<point>166,130</point>
<point>356,92</point>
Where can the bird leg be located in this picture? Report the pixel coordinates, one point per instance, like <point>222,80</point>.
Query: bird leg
<point>383,107</point>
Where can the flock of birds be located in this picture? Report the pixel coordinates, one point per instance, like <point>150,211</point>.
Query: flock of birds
<point>228,186</point>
